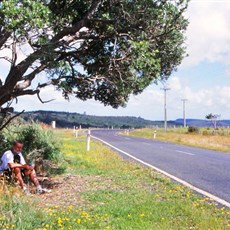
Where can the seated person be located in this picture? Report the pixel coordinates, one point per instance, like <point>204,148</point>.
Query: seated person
<point>13,162</point>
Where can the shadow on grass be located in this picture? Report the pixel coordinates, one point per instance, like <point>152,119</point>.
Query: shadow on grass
<point>56,171</point>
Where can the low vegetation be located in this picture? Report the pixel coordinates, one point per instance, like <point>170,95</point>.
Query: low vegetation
<point>37,142</point>
<point>117,194</point>
<point>204,137</point>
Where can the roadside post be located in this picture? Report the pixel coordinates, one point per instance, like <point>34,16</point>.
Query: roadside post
<point>76,132</point>
<point>88,139</point>
<point>154,134</point>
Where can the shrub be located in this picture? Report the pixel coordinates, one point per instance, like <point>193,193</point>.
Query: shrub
<point>43,141</point>
<point>205,132</point>
<point>193,129</point>
<point>36,141</point>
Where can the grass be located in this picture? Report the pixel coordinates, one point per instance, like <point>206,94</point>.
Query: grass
<point>121,195</point>
<point>219,141</point>
<point>16,211</point>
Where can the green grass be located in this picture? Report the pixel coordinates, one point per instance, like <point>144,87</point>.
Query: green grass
<point>120,195</point>
<point>17,212</point>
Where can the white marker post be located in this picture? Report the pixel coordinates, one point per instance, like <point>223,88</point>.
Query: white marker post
<point>53,124</point>
<point>154,134</point>
<point>74,130</point>
<point>88,140</point>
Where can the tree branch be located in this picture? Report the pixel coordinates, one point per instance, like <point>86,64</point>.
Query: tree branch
<point>10,119</point>
<point>14,53</point>
<point>4,37</point>
<point>38,94</point>
<point>80,24</point>
<point>29,78</point>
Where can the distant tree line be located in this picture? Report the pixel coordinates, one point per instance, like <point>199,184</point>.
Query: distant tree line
<point>68,120</point>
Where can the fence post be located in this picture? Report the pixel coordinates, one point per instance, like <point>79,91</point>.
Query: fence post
<point>88,140</point>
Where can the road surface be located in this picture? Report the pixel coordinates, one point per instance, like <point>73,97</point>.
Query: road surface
<point>205,169</point>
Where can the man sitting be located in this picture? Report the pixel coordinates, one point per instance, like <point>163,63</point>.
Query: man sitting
<point>14,163</point>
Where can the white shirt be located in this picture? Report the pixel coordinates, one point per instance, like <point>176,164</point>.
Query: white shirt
<point>8,157</point>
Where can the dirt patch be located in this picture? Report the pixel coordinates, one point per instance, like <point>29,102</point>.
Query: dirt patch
<point>65,190</point>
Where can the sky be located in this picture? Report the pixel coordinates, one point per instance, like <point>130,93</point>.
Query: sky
<point>203,78</point>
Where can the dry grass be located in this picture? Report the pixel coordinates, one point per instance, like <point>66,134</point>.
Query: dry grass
<point>216,141</point>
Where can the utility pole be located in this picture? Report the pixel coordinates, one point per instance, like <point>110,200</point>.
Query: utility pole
<point>165,107</point>
<point>184,112</point>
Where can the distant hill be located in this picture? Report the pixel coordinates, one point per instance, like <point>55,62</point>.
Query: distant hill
<point>66,119</point>
<point>69,120</point>
<point>202,123</point>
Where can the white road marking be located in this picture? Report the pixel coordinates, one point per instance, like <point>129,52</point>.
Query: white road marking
<point>207,194</point>
<point>191,154</point>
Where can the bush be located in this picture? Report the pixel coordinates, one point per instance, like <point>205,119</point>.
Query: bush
<point>205,132</point>
<point>193,129</point>
<point>36,141</point>
<point>4,145</point>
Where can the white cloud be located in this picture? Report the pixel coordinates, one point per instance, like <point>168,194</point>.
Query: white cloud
<point>213,100</point>
<point>149,104</point>
<point>208,34</point>
<point>174,83</point>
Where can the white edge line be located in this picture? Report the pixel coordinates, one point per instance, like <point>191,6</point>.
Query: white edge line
<point>207,194</point>
<point>191,154</point>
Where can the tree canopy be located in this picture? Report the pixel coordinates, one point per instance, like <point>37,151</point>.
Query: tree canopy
<point>100,49</point>
<point>213,118</point>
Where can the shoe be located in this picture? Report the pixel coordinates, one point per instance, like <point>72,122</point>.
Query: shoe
<point>43,190</point>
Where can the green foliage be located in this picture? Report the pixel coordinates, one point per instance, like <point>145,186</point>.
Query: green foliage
<point>193,129</point>
<point>36,138</point>
<point>4,144</point>
<point>102,50</point>
<point>23,16</point>
<point>211,116</point>
<point>36,141</point>
<point>145,60</point>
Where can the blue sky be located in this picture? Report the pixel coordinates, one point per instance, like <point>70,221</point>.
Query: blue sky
<point>203,78</point>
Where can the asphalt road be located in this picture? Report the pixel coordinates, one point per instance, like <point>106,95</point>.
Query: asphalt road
<point>205,169</point>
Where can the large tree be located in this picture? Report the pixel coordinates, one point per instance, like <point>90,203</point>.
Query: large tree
<point>101,49</point>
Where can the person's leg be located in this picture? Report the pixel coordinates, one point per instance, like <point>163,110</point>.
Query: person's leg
<point>33,177</point>
<point>18,176</point>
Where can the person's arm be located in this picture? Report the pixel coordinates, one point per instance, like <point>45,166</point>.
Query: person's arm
<point>24,166</point>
